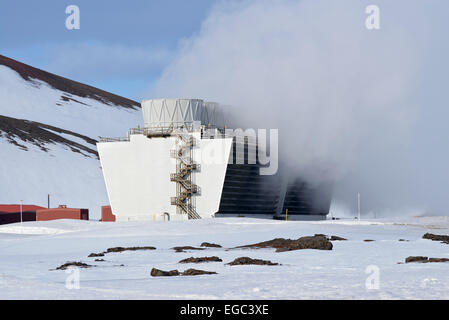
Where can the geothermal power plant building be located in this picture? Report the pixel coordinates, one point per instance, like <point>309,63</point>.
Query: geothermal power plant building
<point>186,164</point>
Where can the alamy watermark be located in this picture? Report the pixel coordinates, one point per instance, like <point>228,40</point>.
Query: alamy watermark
<point>372,282</point>
<point>73,279</point>
<point>372,21</point>
<point>73,21</point>
<point>248,146</point>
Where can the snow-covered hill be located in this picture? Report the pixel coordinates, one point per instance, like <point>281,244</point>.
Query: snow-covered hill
<point>48,129</point>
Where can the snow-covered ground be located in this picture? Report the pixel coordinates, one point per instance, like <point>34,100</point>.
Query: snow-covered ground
<point>29,251</point>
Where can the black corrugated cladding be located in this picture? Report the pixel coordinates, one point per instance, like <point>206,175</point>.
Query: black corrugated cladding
<point>246,192</point>
<point>13,217</point>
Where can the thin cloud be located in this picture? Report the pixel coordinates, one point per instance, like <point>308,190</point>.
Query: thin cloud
<point>99,61</point>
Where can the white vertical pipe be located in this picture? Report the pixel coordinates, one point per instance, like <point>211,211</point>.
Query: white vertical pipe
<point>358,206</point>
<point>21,202</point>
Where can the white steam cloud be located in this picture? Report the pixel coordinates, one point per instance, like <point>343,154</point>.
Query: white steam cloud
<point>345,99</point>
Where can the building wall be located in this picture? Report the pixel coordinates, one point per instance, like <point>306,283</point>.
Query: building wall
<point>137,176</point>
<point>107,215</point>
<point>301,199</point>
<point>62,213</point>
<point>14,217</point>
<point>213,155</point>
<point>246,193</point>
<point>16,207</point>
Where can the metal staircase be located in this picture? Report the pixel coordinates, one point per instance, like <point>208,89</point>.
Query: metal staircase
<point>185,188</point>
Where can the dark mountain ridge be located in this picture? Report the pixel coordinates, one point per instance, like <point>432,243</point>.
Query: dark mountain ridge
<point>39,134</point>
<point>69,86</point>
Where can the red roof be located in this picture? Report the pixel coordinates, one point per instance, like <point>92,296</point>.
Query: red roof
<point>16,207</point>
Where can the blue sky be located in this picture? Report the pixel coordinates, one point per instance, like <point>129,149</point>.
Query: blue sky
<point>121,47</point>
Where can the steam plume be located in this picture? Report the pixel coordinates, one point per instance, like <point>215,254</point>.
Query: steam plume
<point>348,101</point>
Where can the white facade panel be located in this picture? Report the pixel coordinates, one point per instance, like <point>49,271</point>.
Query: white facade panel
<point>213,155</point>
<point>137,176</point>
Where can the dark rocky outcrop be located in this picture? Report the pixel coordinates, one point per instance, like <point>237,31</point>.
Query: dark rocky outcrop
<point>436,237</point>
<point>181,249</point>
<point>189,272</point>
<point>93,255</point>
<point>425,259</point>
<point>73,264</point>
<point>438,260</point>
<point>201,259</point>
<point>99,260</point>
<point>319,242</point>
<point>416,259</point>
<point>18,131</point>
<point>210,245</point>
<point>69,87</point>
<point>121,249</point>
<point>337,238</point>
<point>160,273</point>
<point>316,242</point>
<point>196,272</point>
<point>368,240</point>
<point>249,261</point>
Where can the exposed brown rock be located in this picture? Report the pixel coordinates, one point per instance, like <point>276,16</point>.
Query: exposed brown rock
<point>99,260</point>
<point>121,249</point>
<point>316,242</point>
<point>247,261</point>
<point>438,260</point>
<point>201,259</point>
<point>210,245</point>
<point>181,249</point>
<point>160,273</point>
<point>368,240</point>
<point>195,272</point>
<point>189,272</point>
<point>436,237</point>
<point>425,259</point>
<point>18,131</point>
<point>73,264</point>
<point>416,259</point>
<point>67,99</point>
<point>275,243</point>
<point>337,238</point>
<point>92,255</point>
<point>319,242</point>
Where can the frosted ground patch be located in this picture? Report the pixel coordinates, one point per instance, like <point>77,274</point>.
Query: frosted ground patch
<point>28,260</point>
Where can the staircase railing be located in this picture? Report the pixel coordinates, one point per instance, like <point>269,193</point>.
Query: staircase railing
<point>183,176</point>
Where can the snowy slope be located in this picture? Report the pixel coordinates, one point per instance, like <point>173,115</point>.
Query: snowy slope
<point>30,250</point>
<point>48,129</point>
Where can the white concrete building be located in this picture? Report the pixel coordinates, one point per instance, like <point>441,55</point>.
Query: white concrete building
<point>175,169</point>
<point>166,171</point>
